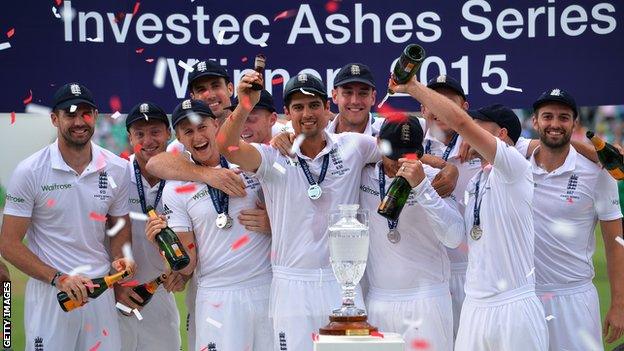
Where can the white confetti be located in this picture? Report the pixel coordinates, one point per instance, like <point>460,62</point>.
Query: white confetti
<point>137,216</point>
<point>619,240</point>
<point>123,307</point>
<point>146,118</point>
<point>80,269</point>
<point>297,143</point>
<point>95,40</point>
<point>137,314</point>
<point>115,115</point>
<point>160,73</point>
<point>549,317</point>
<point>5,45</point>
<point>213,322</point>
<point>73,108</point>
<point>383,101</point>
<point>501,284</point>
<point>126,249</point>
<point>306,92</point>
<point>531,272</point>
<point>194,118</point>
<point>38,109</point>
<point>220,37</point>
<point>413,323</point>
<point>590,343</point>
<point>185,66</point>
<point>279,167</point>
<point>385,147</point>
<point>263,45</point>
<point>111,181</point>
<point>55,12</point>
<point>513,89</point>
<point>116,228</point>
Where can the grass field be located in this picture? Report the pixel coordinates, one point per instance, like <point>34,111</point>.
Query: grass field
<point>18,285</point>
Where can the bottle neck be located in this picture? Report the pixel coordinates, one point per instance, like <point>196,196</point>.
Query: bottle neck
<point>599,144</point>
<point>113,278</point>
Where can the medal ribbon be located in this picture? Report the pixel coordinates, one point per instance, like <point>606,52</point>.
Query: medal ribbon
<point>306,170</point>
<point>449,147</point>
<point>139,185</point>
<point>220,200</point>
<point>477,205</point>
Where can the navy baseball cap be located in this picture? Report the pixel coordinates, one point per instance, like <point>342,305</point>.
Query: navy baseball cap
<point>207,68</point>
<point>306,82</point>
<point>501,115</point>
<point>354,72</point>
<point>189,107</point>
<point>72,94</point>
<point>405,137</point>
<point>556,95</point>
<point>265,103</point>
<point>448,82</point>
<point>146,111</point>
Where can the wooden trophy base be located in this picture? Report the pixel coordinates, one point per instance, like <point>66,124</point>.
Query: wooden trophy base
<point>347,325</point>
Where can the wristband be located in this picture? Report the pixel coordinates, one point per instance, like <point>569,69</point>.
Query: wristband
<point>56,275</point>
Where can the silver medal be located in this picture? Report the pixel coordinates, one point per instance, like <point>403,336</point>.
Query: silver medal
<point>223,221</point>
<point>314,192</point>
<point>394,236</point>
<point>476,232</point>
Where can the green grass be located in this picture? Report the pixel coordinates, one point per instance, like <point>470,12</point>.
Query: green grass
<point>19,282</point>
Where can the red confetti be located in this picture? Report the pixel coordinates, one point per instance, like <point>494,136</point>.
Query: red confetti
<point>51,203</point>
<point>191,246</point>
<point>332,6</point>
<point>131,283</point>
<point>185,188</point>
<point>105,332</point>
<point>175,151</point>
<point>377,334</point>
<point>277,80</point>
<point>232,148</point>
<point>87,118</point>
<point>240,242</point>
<point>420,344</point>
<point>393,115</point>
<point>204,348</point>
<point>570,200</point>
<point>136,8</point>
<point>547,297</point>
<point>115,103</point>
<point>284,14</point>
<point>137,148</point>
<point>10,32</point>
<point>139,50</point>
<point>13,118</point>
<point>411,156</point>
<point>244,59</point>
<point>125,154</point>
<point>217,305</point>
<point>315,337</point>
<point>97,217</point>
<point>96,346</point>
<point>29,98</point>
<point>58,2</point>
<point>149,60</point>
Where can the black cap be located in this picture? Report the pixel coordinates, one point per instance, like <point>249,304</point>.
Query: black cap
<point>72,94</point>
<point>265,103</point>
<point>556,95</point>
<point>189,107</point>
<point>307,82</point>
<point>405,137</point>
<point>354,72</point>
<point>206,68</point>
<point>151,110</point>
<point>448,82</point>
<point>501,115</point>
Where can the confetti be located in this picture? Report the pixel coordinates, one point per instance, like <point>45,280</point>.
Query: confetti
<point>125,155</point>
<point>244,59</point>
<point>10,33</point>
<point>277,80</point>
<point>549,317</point>
<point>131,283</point>
<point>263,45</point>
<point>232,148</point>
<point>377,334</point>
<point>51,203</point>
<point>513,89</point>
<point>413,323</point>
<point>58,2</point>
<point>5,46</point>
<point>331,6</point>
<point>116,228</point>
<point>185,66</point>
<point>80,269</point>
<point>501,284</point>
<point>115,115</point>
<point>87,118</point>
<point>216,305</point>
<point>297,143</point>
<point>136,8</point>
<point>96,346</point>
<point>73,108</point>
<point>105,332</point>
<point>240,242</point>
<point>137,314</point>
<point>220,37</point>
<point>531,272</point>
<point>383,101</point>
<point>214,323</point>
<point>95,40</point>
<point>284,14</point>
<point>137,216</point>
<point>149,60</point>
<point>126,250</point>
<point>194,118</point>
<point>13,118</point>
<point>411,156</point>
<point>55,12</point>
<point>139,50</point>
<point>619,240</point>
<point>385,147</point>
<point>392,115</point>
<point>137,148</point>
<point>160,72</point>
<point>279,167</point>
<point>29,98</point>
<point>97,217</point>
<point>420,344</point>
<point>123,307</point>
<point>191,246</point>
<point>306,92</point>
<point>547,297</point>
<point>114,103</point>
<point>188,188</point>
<point>146,118</point>
<point>315,337</point>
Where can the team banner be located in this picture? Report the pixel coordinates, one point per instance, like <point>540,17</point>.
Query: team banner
<point>129,51</point>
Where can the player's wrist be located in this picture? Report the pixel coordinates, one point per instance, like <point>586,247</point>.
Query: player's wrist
<point>56,278</point>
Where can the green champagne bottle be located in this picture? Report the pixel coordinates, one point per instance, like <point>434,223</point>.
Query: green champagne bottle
<point>170,246</point>
<point>147,290</point>
<point>408,64</point>
<point>609,156</point>
<point>67,304</point>
<point>392,204</point>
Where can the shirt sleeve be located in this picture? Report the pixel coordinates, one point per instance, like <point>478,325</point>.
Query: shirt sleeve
<point>509,163</point>
<point>21,192</point>
<point>522,145</point>
<point>268,164</point>
<point>606,197</point>
<point>174,205</point>
<point>120,205</point>
<point>367,146</point>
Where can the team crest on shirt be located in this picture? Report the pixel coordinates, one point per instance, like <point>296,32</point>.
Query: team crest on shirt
<point>339,166</point>
<point>166,210</point>
<point>38,344</point>
<point>571,189</point>
<point>103,187</point>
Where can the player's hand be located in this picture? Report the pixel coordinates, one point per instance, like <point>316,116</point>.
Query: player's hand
<point>412,170</point>
<point>154,226</point>
<point>176,282</point>
<point>126,264</point>
<point>613,326</point>
<point>256,219</point>
<point>283,142</point>
<point>76,286</point>
<point>445,181</point>
<point>463,152</point>
<point>226,180</point>
<point>123,294</point>
<point>402,88</point>
<point>247,97</point>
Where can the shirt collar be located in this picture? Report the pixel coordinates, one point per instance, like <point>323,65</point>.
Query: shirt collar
<point>430,137</point>
<point>330,141</point>
<point>568,165</point>
<point>97,163</point>
<point>331,127</point>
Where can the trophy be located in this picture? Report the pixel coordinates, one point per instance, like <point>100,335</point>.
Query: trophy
<point>348,251</point>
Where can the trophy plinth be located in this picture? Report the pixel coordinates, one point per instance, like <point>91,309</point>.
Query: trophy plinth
<point>347,325</point>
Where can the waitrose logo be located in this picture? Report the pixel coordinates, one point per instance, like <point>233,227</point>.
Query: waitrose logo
<point>15,199</point>
<point>50,187</point>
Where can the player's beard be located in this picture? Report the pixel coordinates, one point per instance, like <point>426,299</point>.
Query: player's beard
<point>555,144</point>
<point>77,143</point>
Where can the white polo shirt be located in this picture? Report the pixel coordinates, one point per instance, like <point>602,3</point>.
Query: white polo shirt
<point>219,263</point>
<point>428,224</point>
<point>150,263</point>
<point>502,258</point>
<point>567,204</point>
<point>62,205</point>
<point>299,224</point>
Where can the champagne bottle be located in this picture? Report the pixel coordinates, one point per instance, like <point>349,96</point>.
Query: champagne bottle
<point>408,64</point>
<point>147,290</point>
<point>609,156</point>
<point>259,65</point>
<point>392,204</point>
<point>170,246</point>
<point>67,304</point>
